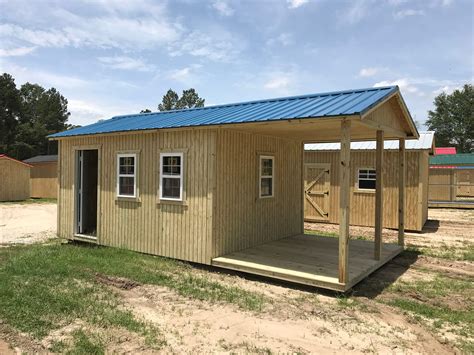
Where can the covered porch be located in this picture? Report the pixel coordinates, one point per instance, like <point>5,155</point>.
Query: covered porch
<point>334,263</point>
<point>310,260</point>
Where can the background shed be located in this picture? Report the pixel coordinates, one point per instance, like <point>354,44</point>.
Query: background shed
<point>44,176</point>
<point>322,182</point>
<point>14,179</point>
<point>451,180</point>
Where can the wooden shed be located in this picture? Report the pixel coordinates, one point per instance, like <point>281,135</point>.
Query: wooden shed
<point>14,179</point>
<point>44,176</point>
<point>223,185</point>
<point>321,171</point>
<point>451,180</point>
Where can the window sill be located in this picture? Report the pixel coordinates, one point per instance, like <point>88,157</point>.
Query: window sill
<point>364,191</point>
<point>128,199</point>
<point>172,202</point>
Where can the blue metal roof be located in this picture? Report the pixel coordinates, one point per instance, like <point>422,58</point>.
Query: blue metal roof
<point>338,103</point>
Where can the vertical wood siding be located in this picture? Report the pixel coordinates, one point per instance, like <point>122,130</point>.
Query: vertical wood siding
<point>173,230</point>
<point>363,203</point>
<point>44,180</point>
<point>241,219</point>
<point>14,180</point>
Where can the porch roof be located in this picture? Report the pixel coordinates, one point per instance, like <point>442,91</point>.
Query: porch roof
<point>279,110</point>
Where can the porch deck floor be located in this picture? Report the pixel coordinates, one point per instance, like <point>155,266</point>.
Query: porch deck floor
<point>308,259</point>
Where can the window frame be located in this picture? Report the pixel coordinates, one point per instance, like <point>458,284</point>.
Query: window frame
<point>358,188</point>
<point>135,175</point>
<point>261,158</point>
<point>180,176</point>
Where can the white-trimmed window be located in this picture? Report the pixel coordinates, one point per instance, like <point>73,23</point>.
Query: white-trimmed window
<point>127,175</point>
<point>267,171</point>
<point>366,179</point>
<point>171,176</point>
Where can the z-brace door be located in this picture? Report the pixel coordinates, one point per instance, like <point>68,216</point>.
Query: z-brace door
<point>316,192</point>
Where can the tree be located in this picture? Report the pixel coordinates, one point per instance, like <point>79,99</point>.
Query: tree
<point>169,102</point>
<point>145,111</point>
<point>10,107</point>
<point>453,119</point>
<point>28,116</point>
<point>189,99</point>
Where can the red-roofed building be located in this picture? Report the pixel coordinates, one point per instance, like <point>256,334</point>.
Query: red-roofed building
<point>445,150</point>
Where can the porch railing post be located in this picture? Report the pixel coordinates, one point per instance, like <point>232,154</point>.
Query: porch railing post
<point>379,196</point>
<point>401,192</point>
<point>344,200</point>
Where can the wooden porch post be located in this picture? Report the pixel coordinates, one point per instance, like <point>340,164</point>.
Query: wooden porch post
<point>344,201</point>
<point>379,196</point>
<point>401,192</point>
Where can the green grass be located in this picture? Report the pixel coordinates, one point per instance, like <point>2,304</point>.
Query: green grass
<point>86,344</point>
<point>333,234</point>
<point>45,287</point>
<point>455,253</point>
<point>436,300</point>
<point>30,201</point>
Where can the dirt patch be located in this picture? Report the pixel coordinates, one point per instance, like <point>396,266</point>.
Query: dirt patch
<point>118,282</point>
<point>318,326</point>
<point>27,223</point>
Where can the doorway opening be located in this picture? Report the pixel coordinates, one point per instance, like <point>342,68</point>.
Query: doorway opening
<point>86,192</point>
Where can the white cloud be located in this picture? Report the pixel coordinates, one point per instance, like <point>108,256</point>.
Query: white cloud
<point>126,63</point>
<point>223,7</point>
<point>448,89</point>
<point>189,75</point>
<point>284,39</point>
<point>293,4</point>
<point>404,85</point>
<point>200,44</point>
<point>367,72</point>
<point>358,10</point>
<point>408,12</point>
<point>44,78</point>
<point>16,52</point>
<point>279,82</point>
<point>85,111</point>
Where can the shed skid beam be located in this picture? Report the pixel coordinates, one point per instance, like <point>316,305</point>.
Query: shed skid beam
<point>401,192</point>
<point>379,196</point>
<point>344,200</point>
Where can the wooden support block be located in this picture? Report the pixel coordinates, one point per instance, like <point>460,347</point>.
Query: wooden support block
<point>344,200</point>
<point>379,196</point>
<point>401,192</point>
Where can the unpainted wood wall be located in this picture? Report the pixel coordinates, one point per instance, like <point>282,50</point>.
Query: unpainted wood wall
<point>14,180</point>
<point>363,203</point>
<point>221,182</point>
<point>181,231</point>
<point>241,218</point>
<point>44,180</point>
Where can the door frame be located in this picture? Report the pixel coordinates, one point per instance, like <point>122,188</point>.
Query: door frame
<point>75,234</point>
<point>324,166</point>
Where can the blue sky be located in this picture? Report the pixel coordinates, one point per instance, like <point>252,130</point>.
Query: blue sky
<point>116,57</point>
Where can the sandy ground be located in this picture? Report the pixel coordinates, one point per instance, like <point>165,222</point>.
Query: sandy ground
<point>27,223</point>
<point>297,319</point>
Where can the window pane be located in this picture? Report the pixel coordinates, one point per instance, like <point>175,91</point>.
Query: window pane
<point>127,165</point>
<point>266,186</point>
<point>171,165</point>
<point>267,167</point>
<point>126,186</point>
<point>171,188</point>
<point>367,184</point>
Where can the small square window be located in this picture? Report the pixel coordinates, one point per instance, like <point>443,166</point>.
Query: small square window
<point>126,175</point>
<point>366,179</point>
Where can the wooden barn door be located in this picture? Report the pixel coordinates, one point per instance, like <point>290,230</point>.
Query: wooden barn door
<point>316,192</point>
